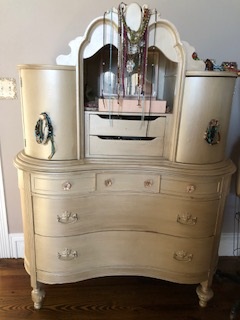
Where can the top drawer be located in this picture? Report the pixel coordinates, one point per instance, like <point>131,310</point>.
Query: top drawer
<point>126,125</point>
<point>63,184</point>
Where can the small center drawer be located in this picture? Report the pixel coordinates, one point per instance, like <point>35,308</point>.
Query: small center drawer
<point>63,184</point>
<point>128,182</point>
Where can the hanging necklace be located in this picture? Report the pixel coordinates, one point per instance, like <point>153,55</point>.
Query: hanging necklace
<point>132,51</point>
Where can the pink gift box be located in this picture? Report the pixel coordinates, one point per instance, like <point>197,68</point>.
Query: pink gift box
<point>131,105</point>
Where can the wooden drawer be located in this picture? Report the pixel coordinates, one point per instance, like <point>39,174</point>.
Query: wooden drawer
<point>126,125</point>
<point>128,182</point>
<point>120,146</point>
<point>63,184</point>
<point>209,188</point>
<point>122,250</point>
<point>152,213</point>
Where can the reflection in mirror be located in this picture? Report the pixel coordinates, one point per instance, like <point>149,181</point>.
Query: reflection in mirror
<point>109,81</point>
<point>101,77</point>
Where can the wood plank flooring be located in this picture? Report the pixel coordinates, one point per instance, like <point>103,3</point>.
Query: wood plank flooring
<point>118,298</point>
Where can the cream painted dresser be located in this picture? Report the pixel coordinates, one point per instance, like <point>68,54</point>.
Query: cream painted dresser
<point>124,169</point>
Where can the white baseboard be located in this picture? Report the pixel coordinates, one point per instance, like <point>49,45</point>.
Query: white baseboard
<point>4,239</point>
<point>16,241</point>
<point>226,244</point>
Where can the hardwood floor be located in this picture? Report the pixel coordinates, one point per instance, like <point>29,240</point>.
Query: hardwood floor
<point>118,298</point>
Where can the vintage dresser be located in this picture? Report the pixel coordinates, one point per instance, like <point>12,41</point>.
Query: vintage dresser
<point>124,170</point>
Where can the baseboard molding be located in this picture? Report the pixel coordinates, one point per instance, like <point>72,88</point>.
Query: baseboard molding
<point>16,241</point>
<point>4,240</point>
<point>226,244</point>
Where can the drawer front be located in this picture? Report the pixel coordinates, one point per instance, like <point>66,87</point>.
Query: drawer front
<point>63,184</point>
<point>106,146</point>
<point>79,215</point>
<point>191,188</point>
<point>126,126</point>
<point>122,249</point>
<point>125,182</point>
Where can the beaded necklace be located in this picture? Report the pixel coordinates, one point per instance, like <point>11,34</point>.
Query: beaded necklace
<point>132,51</point>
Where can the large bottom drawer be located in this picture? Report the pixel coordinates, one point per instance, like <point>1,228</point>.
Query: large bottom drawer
<point>122,250</point>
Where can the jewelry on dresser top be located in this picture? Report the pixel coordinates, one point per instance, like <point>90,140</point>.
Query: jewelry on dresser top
<point>44,132</point>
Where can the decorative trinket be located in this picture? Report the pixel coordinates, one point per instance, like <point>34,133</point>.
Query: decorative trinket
<point>130,66</point>
<point>212,135</point>
<point>44,132</point>
<point>132,51</point>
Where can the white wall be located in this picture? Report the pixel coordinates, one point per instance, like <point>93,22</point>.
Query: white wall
<point>37,31</point>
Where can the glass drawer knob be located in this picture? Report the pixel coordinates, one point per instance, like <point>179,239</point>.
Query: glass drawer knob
<point>191,188</point>
<point>148,183</point>
<point>67,186</point>
<point>108,182</point>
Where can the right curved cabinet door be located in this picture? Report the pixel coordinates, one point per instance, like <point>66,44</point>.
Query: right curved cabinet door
<point>204,123</point>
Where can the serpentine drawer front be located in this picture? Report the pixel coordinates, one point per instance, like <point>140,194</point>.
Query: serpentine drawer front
<point>78,215</point>
<point>111,249</point>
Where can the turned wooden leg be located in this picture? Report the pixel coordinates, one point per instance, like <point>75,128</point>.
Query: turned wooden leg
<point>37,297</point>
<point>204,294</point>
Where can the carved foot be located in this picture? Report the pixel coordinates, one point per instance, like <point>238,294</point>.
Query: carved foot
<point>204,295</point>
<point>37,297</point>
